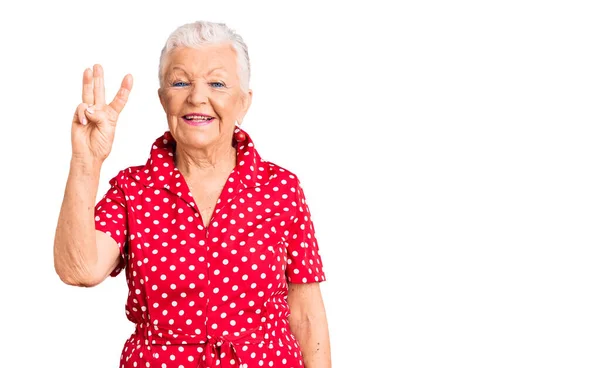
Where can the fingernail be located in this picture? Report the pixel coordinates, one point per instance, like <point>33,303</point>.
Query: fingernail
<point>84,121</point>
<point>90,110</point>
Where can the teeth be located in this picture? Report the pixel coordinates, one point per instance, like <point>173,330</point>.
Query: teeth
<point>197,118</point>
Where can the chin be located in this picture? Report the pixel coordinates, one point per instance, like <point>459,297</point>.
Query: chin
<point>198,137</point>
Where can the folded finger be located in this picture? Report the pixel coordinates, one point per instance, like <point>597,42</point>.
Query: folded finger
<point>96,116</point>
<point>79,116</point>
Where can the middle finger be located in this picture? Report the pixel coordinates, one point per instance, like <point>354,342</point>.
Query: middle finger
<point>98,85</point>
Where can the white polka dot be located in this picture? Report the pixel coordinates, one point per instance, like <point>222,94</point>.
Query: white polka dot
<point>259,239</point>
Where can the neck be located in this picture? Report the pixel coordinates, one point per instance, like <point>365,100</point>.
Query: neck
<point>205,162</point>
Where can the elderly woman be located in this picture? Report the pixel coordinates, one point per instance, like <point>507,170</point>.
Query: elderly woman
<point>217,244</point>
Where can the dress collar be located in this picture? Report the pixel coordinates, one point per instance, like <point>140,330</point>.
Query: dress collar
<point>160,171</point>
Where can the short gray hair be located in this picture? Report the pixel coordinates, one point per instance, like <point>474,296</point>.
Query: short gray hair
<point>204,33</point>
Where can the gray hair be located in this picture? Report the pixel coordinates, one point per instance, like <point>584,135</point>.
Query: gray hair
<point>203,33</point>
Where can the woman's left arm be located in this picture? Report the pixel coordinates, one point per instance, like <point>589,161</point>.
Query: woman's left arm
<point>308,322</point>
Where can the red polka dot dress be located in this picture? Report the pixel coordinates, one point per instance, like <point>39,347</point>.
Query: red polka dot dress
<point>212,296</point>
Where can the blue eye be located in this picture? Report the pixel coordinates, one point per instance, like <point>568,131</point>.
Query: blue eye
<point>179,84</point>
<point>217,84</point>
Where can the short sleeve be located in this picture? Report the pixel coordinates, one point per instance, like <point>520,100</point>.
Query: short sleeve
<point>304,261</point>
<point>111,218</point>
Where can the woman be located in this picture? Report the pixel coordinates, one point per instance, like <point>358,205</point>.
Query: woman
<point>218,245</point>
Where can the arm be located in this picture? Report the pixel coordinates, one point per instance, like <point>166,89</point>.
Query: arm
<point>308,323</point>
<point>83,256</point>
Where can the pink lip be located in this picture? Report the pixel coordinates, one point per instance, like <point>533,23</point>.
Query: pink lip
<point>197,122</point>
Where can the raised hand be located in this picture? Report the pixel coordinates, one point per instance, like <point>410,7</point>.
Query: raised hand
<point>94,122</point>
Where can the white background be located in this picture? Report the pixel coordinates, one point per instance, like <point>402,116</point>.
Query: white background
<point>449,153</point>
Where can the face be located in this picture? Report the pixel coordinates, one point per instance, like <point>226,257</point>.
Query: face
<point>201,95</point>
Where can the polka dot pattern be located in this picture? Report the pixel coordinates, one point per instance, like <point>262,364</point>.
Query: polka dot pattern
<point>216,295</point>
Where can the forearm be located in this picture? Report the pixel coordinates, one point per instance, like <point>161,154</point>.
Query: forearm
<point>75,252</point>
<point>312,334</point>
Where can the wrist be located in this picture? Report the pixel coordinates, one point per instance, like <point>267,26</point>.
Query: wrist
<point>86,164</point>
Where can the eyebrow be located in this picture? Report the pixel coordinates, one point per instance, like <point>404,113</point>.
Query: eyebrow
<point>178,68</point>
<point>217,69</point>
<point>213,70</point>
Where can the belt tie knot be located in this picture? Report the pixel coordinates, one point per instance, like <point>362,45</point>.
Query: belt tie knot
<point>219,352</point>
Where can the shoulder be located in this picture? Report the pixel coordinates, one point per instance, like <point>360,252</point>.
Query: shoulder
<point>159,151</point>
<point>126,177</point>
<point>281,177</point>
<point>285,185</point>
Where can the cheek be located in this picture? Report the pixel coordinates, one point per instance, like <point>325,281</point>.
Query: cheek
<point>225,105</point>
<point>173,102</point>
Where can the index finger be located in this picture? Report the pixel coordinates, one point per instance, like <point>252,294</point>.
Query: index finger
<point>118,103</point>
<point>87,93</point>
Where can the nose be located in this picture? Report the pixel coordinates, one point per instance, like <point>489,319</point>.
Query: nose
<point>198,94</point>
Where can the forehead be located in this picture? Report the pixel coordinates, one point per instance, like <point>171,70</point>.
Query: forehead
<point>202,60</point>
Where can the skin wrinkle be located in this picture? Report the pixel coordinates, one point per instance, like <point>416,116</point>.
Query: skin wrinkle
<point>204,80</point>
<point>309,324</point>
<point>205,148</point>
<point>205,157</point>
<point>73,262</point>
<point>84,256</point>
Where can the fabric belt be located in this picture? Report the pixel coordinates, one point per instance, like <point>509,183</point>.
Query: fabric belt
<point>218,351</point>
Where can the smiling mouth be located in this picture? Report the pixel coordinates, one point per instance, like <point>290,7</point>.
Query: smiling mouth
<point>195,119</point>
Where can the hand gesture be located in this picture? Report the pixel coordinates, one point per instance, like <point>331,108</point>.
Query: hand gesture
<point>94,122</point>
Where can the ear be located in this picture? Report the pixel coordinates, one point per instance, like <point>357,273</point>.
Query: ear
<point>162,100</point>
<point>246,102</point>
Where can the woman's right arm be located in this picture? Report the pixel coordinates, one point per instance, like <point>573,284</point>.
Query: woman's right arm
<point>84,256</point>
